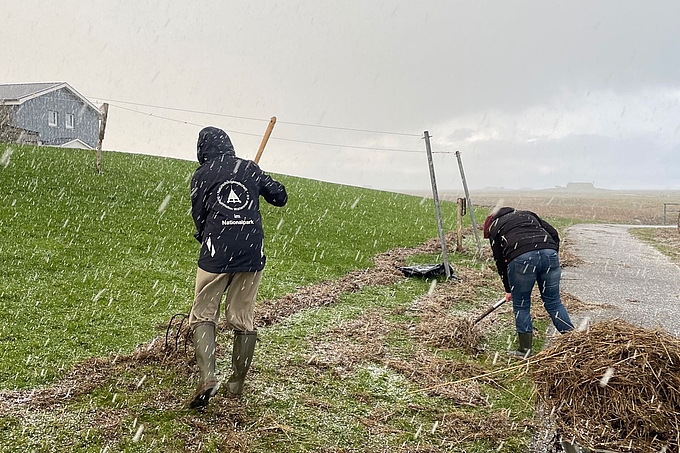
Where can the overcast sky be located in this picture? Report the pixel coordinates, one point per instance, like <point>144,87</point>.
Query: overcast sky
<point>533,93</point>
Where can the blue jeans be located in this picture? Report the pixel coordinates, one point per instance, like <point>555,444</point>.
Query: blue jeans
<point>542,267</point>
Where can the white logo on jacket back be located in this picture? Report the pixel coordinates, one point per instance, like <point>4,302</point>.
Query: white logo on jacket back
<point>233,195</point>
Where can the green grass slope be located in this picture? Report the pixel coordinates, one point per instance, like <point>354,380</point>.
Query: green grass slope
<point>92,263</point>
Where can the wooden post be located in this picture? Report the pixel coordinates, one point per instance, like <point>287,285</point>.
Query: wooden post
<point>469,204</point>
<point>435,195</point>
<point>265,139</point>
<point>461,214</point>
<point>104,109</point>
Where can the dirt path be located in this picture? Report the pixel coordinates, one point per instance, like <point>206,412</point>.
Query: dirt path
<point>634,280</point>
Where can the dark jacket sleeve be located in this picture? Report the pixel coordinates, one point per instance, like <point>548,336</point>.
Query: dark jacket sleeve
<point>273,191</point>
<point>501,265</point>
<point>199,210</point>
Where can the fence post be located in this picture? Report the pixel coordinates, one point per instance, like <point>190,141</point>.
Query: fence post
<point>469,202</point>
<point>461,213</point>
<point>102,129</point>
<point>435,195</point>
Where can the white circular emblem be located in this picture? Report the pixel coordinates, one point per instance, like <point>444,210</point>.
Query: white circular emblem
<point>233,195</point>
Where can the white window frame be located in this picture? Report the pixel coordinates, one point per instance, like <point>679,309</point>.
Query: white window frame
<point>70,121</point>
<point>52,118</point>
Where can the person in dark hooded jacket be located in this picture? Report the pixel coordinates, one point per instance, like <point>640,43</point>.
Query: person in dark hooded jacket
<point>525,249</point>
<point>225,192</point>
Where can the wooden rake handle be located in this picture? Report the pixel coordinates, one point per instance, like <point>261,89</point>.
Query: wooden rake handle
<point>488,312</point>
<point>265,139</point>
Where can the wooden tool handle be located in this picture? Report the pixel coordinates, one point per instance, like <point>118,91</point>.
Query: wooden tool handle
<point>265,139</point>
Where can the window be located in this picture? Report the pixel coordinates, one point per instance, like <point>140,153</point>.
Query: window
<point>52,118</point>
<point>70,120</point>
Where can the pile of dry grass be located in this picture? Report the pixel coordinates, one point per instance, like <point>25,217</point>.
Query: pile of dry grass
<point>615,386</point>
<point>437,376</point>
<point>449,332</point>
<point>352,343</point>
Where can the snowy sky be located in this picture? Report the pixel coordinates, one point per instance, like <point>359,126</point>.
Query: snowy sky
<point>533,93</point>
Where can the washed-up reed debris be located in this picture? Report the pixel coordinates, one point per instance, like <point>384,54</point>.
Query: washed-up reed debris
<point>615,387</point>
<point>437,376</point>
<point>449,332</point>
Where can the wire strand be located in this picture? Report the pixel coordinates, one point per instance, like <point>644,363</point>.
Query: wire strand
<point>337,145</point>
<point>403,134</point>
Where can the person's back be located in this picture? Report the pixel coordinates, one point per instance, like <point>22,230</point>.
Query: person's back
<point>522,231</point>
<point>525,249</point>
<point>225,207</point>
<point>225,194</point>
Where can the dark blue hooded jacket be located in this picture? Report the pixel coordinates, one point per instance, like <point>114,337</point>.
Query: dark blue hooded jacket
<point>225,206</point>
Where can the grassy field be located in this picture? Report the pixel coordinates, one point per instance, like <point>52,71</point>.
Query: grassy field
<point>95,265</point>
<point>353,357</point>
<point>667,240</point>
<point>95,261</point>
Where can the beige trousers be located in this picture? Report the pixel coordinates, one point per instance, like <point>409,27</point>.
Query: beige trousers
<point>241,289</point>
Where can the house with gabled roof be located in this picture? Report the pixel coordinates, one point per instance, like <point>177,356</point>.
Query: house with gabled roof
<point>52,114</point>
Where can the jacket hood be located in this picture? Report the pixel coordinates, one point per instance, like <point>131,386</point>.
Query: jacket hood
<point>213,142</point>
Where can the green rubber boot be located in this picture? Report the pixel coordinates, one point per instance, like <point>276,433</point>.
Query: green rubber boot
<point>525,343</point>
<point>204,348</point>
<point>241,358</point>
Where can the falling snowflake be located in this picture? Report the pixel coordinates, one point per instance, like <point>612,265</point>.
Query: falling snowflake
<point>164,204</point>
<point>4,159</point>
<point>607,376</point>
<point>138,434</point>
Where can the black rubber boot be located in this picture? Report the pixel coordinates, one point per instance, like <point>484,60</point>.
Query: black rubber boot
<point>241,358</point>
<point>525,343</point>
<point>204,348</point>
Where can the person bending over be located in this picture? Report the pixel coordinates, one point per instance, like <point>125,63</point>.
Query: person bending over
<point>525,249</point>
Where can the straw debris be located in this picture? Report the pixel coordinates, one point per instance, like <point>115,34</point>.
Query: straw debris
<point>449,332</point>
<point>615,386</point>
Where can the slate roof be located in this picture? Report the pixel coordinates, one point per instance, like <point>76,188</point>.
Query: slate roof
<point>18,93</point>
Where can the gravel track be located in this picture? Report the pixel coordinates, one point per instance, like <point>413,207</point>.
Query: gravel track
<point>633,280</point>
<point>637,282</point>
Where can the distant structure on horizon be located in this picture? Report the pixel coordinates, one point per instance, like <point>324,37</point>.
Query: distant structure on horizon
<point>52,114</point>
<point>581,187</point>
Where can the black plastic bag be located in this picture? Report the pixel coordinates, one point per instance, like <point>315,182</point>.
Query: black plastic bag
<point>426,270</point>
